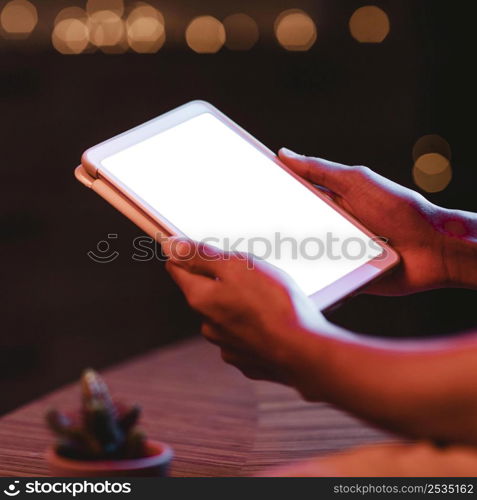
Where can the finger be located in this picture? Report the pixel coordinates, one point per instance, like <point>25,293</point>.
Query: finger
<point>197,258</point>
<point>212,334</point>
<point>217,335</point>
<point>241,363</point>
<point>199,291</point>
<point>333,176</point>
<point>204,259</point>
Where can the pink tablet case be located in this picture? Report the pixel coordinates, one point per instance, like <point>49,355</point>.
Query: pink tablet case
<point>121,203</point>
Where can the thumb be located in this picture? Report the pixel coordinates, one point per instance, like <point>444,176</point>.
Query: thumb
<point>328,174</point>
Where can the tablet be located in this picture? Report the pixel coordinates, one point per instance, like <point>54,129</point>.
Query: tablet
<point>194,172</point>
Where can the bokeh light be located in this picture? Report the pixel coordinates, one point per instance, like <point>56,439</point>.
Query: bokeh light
<point>241,32</point>
<point>431,143</point>
<point>369,24</point>
<point>205,35</point>
<point>432,172</point>
<point>145,29</point>
<point>295,30</point>
<point>107,31</point>
<point>116,6</point>
<point>18,19</point>
<point>71,13</point>
<point>70,36</point>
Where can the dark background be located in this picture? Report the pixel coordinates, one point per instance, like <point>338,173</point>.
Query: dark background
<point>359,104</point>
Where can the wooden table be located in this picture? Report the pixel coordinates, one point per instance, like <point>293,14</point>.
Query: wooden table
<point>218,422</point>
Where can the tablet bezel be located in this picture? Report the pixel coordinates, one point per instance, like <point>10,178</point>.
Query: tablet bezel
<point>324,298</point>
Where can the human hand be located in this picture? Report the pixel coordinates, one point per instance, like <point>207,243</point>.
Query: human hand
<point>253,311</point>
<point>389,210</point>
<point>270,330</point>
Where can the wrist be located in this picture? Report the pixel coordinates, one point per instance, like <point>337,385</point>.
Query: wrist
<point>305,360</point>
<point>458,231</point>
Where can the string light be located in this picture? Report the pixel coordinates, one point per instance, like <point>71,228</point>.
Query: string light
<point>241,32</point>
<point>369,24</point>
<point>107,31</point>
<point>432,172</point>
<point>431,143</point>
<point>116,6</point>
<point>71,13</point>
<point>70,36</point>
<point>295,30</point>
<point>205,35</point>
<point>18,19</point>
<point>145,29</point>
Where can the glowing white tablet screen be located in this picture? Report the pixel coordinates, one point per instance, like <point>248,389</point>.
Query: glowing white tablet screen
<point>214,186</point>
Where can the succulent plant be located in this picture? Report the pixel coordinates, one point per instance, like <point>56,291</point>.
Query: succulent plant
<point>102,430</point>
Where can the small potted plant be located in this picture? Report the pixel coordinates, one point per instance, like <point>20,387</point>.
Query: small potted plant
<point>101,439</point>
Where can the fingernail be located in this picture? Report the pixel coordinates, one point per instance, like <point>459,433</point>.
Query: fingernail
<point>289,152</point>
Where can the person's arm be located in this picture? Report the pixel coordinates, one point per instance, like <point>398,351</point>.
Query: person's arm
<point>425,390</point>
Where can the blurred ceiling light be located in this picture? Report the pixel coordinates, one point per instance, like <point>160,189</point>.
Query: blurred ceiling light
<point>145,29</point>
<point>432,163</point>
<point>241,32</point>
<point>70,36</point>
<point>295,30</point>
<point>432,172</point>
<point>369,24</point>
<point>431,143</point>
<point>18,19</point>
<point>205,35</point>
<point>71,13</point>
<point>116,6</point>
<point>107,31</point>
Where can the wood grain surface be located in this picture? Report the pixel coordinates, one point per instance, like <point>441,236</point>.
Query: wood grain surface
<point>218,422</point>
